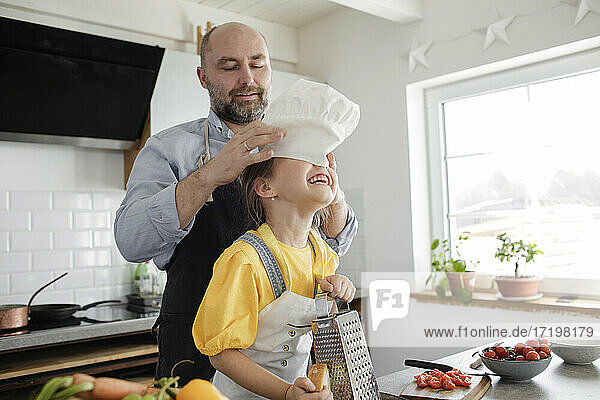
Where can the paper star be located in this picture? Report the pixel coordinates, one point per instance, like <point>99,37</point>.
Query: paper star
<point>497,30</point>
<point>586,6</point>
<point>417,56</point>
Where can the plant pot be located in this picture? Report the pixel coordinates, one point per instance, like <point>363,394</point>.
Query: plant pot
<point>523,286</point>
<point>468,279</point>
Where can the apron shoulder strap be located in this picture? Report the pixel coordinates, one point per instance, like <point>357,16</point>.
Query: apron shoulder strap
<point>268,260</point>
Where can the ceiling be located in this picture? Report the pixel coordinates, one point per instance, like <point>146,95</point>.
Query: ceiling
<point>294,13</point>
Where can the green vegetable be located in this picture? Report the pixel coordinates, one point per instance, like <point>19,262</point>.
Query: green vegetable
<point>53,385</point>
<point>132,396</point>
<point>72,390</point>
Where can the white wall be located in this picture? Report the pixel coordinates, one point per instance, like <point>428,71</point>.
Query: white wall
<point>367,59</point>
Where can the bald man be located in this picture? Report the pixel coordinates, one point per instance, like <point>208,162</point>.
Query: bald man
<point>183,204</point>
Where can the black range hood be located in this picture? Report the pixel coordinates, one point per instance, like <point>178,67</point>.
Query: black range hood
<point>65,87</point>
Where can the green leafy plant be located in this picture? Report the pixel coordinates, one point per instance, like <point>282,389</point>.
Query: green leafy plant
<point>442,261</point>
<point>516,250</point>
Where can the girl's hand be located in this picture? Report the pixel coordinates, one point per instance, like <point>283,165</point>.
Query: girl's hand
<point>338,287</point>
<point>303,389</point>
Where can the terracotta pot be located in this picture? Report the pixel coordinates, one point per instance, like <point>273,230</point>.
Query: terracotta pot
<point>468,278</point>
<point>524,286</point>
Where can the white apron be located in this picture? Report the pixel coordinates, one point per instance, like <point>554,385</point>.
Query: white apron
<point>279,348</point>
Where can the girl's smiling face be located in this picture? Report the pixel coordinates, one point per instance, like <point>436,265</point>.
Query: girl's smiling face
<point>302,183</point>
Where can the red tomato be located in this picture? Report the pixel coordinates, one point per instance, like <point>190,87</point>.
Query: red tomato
<point>543,341</point>
<point>519,348</point>
<point>545,348</point>
<point>526,350</point>
<point>533,343</point>
<point>501,352</point>
<point>532,356</point>
<point>421,382</point>
<point>448,384</point>
<point>542,355</point>
<point>435,383</point>
<point>490,354</point>
<point>520,358</point>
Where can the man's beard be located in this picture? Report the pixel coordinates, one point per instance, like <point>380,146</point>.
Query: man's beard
<point>237,111</point>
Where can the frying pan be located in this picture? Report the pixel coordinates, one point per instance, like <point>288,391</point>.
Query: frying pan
<point>56,312</point>
<point>14,316</point>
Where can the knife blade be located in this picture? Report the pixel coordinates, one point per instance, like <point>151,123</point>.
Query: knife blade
<point>441,367</point>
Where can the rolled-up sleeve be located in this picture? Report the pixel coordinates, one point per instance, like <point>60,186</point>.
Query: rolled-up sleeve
<point>341,243</point>
<point>147,222</point>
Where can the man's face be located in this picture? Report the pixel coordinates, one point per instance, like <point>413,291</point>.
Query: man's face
<point>237,74</point>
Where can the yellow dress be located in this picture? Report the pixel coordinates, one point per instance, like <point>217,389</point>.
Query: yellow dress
<point>240,288</point>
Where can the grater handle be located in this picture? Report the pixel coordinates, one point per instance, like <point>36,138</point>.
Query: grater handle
<point>322,305</point>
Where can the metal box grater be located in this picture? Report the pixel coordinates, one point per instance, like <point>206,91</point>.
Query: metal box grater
<point>340,343</point>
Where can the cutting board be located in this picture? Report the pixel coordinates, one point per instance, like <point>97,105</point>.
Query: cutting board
<point>479,385</point>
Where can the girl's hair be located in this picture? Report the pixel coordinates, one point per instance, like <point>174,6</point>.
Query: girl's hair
<point>254,207</point>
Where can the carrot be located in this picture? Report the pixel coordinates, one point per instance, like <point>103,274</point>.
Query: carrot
<point>110,388</point>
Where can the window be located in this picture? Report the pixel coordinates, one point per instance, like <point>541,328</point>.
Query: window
<point>518,151</point>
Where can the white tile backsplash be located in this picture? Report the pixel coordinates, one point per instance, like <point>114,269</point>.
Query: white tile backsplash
<point>29,200</point>
<point>15,262</point>
<point>91,258</point>
<point>119,292</point>
<point>3,200</point>
<point>43,233</point>
<point>75,279</point>
<point>107,201</point>
<point>113,275</point>
<point>50,220</point>
<point>30,282</point>
<point>72,201</point>
<point>4,285</point>
<point>72,239</point>
<point>14,220</point>
<point>54,296</point>
<point>52,260</point>
<point>86,296</point>
<point>3,242</point>
<point>91,220</point>
<point>15,298</point>
<point>116,258</point>
<point>104,239</point>
<point>23,241</point>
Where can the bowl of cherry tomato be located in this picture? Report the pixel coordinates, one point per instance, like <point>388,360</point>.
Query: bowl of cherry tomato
<point>521,362</point>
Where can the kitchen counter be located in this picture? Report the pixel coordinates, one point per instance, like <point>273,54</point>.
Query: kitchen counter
<point>129,323</point>
<point>559,381</point>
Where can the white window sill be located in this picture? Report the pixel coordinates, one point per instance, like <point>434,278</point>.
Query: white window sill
<point>489,300</point>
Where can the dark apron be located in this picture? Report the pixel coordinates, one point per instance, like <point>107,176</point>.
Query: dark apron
<point>217,225</point>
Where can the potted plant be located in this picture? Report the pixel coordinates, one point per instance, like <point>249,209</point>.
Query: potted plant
<point>517,285</point>
<point>458,279</point>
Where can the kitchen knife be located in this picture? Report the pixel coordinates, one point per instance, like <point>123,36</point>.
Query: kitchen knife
<point>441,367</point>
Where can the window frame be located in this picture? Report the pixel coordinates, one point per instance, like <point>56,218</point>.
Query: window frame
<point>427,148</point>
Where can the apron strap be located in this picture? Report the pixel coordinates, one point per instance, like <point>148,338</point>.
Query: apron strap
<point>204,158</point>
<point>268,260</point>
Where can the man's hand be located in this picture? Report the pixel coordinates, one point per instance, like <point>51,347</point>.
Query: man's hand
<point>338,287</point>
<point>335,187</point>
<point>304,389</point>
<point>229,163</point>
<point>337,211</point>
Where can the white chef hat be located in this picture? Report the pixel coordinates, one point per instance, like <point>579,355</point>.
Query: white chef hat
<point>316,117</point>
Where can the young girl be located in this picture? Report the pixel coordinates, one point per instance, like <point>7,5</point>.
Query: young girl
<point>269,277</point>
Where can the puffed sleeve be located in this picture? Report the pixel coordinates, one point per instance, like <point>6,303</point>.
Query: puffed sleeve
<point>228,315</point>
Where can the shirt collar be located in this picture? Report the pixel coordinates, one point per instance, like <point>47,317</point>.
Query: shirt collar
<point>215,121</point>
